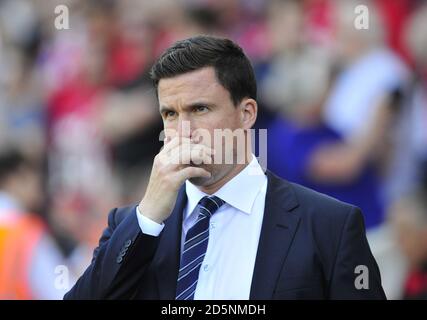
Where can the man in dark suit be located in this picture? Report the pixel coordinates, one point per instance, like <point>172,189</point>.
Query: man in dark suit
<point>212,224</point>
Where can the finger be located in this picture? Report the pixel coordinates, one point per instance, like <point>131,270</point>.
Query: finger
<point>187,156</point>
<point>201,155</point>
<point>174,155</point>
<point>186,147</point>
<point>192,172</point>
<point>167,151</point>
<point>174,142</point>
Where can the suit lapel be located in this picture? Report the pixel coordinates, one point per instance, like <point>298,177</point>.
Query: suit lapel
<point>277,232</point>
<point>166,260</point>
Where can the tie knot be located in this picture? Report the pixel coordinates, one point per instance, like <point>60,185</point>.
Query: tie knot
<point>210,204</point>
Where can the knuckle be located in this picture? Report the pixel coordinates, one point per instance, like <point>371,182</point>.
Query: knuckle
<point>163,171</point>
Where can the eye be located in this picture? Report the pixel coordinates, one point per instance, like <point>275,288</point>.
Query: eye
<point>200,109</point>
<point>169,114</point>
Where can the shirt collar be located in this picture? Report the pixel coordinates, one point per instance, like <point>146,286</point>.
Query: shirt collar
<point>240,192</point>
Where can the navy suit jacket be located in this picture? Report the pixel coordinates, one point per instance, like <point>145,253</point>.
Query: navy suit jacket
<point>309,248</point>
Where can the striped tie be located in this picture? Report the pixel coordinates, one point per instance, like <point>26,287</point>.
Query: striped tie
<point>195,245</point>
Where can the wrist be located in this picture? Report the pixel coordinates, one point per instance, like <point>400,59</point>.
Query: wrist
<point>146,213</point>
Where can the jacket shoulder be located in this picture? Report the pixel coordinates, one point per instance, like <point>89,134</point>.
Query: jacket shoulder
<point>325,216</point>
<point>315,208</point>
<point>311,199</point>
<point>304,198</point>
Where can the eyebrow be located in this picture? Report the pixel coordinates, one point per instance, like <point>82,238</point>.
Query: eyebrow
<point>164,108</point>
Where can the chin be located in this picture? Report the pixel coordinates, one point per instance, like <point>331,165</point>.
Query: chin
<point>200,181</point>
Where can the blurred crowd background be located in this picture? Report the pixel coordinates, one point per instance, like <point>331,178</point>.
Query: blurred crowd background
<point>345,110</point>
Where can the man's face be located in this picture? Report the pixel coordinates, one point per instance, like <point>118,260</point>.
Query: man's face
<point>196,102</point>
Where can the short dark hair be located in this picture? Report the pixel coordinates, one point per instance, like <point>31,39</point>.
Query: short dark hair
<point>232,68</point>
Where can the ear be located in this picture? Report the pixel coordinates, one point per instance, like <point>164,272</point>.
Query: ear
<point>248,111</point>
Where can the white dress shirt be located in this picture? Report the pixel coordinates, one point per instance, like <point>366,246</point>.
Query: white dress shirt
<point>227,269</point>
